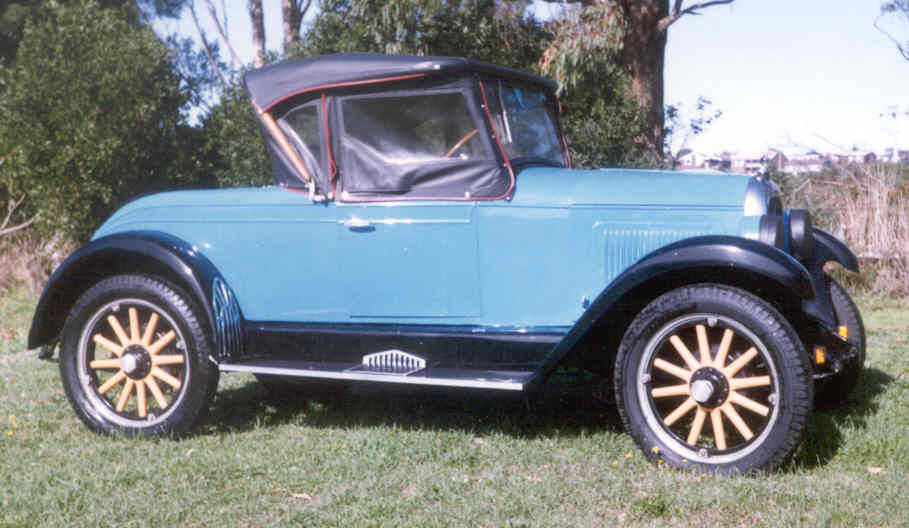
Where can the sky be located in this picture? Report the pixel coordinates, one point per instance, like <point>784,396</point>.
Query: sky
<point>785,73</point>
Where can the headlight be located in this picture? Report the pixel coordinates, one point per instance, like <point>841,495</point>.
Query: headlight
<point>799,234</point>
<point>762,197</point>
<point>771,231</point>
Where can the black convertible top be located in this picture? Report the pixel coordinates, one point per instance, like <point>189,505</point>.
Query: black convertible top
<point>271,84</point>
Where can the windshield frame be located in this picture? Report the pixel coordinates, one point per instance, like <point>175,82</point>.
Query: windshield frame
<point>503,124</point>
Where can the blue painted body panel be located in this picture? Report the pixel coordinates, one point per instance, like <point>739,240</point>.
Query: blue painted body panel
<point>528,261</point>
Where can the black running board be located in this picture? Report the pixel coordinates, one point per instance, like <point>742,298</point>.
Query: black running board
<point>510,380</point>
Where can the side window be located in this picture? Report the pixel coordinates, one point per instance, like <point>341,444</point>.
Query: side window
<point>405,129</point>
<point>303,127</point>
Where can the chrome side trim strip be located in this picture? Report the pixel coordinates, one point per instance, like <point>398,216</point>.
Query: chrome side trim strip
<point>359,376</point>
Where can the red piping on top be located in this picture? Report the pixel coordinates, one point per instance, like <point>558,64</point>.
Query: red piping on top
<point>324,87</point>
<point>396,198</point>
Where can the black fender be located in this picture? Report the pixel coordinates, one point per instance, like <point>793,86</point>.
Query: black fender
<point>833,249</point>
<point>150,252</point>
<point>827,248</point>
<point>698,254</point>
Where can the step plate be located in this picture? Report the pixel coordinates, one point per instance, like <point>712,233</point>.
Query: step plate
<point>390,362</point>
<point>440,377</point>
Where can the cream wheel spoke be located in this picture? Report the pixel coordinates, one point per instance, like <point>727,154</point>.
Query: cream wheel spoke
<point>161,343</point>
<point>150,330</point>
<point>670,368</point>
<point>740,363</point>
<point>113,380</point>
<point>697,426</point>
<point>121,334</point>
<point>737,421</point>
<point>663,392</point>
<point>165,377</point>
<point>747,383</point>
<point>748,403</point>
<point>140,399</point>
<point>684,352</point>
<point>720,360</point>
<point>703,344</point>
<point>167,359</point>
<point>108,345</point>
<point>124,396</point>
<point>112,363</point>
<point>680,411</point>
<point>719,434</point>
<point>156,391</point>
<point>134,325</point>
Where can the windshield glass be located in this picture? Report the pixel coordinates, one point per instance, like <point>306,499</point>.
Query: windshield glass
<point>525,121</point>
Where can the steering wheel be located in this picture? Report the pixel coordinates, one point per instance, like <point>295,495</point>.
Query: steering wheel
<point>461,143</point>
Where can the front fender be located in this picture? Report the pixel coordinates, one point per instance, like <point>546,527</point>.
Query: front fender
<point>150,252</point>
<point>696,255</point>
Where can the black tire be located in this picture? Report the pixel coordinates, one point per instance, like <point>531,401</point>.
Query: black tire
<point>754,360</point>
<point>832,392</point>
<point>135,358</point>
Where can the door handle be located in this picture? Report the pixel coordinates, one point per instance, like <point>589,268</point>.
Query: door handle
<point>357,223</point>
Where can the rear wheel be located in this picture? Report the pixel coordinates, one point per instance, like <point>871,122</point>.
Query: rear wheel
<point>833,391</point>
<point>714,378</point>
<point>135,358</point>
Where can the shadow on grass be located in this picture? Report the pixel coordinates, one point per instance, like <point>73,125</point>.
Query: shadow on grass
<point>823,437</point>
<point>550,413</point>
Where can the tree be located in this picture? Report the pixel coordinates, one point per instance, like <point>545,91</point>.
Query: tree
<point>894,18</point>
<point>630,32</point>
<point>90,118</point>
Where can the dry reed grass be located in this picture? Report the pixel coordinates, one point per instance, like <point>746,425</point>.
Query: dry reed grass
<point>27,259</point>
<point>867,206</point>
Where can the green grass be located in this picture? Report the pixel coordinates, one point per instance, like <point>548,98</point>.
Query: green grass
<point>433,459</point>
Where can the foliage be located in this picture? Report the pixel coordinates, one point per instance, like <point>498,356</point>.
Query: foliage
<point>678,132</point>
<point>479,29</point>
<point>603,123</point>
<point>894,23</point>
<point>90,117</point>
<point>234,146</point>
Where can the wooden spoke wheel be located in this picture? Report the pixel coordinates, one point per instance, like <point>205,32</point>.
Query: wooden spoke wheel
<point>707,369</point>
<point>714,378</point>
<point>135,358</point>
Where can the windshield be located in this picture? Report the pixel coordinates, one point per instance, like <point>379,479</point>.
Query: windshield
<point>525,121</point>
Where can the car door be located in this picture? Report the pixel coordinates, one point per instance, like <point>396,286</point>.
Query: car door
<point>410,161</point>
<point>409,260</point>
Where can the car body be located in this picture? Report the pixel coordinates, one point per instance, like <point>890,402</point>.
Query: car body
<point>426,228</point>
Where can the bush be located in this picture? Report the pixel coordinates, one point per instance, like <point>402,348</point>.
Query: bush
<point>89,118</point>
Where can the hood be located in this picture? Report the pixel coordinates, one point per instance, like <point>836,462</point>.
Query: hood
<point>625,187</point>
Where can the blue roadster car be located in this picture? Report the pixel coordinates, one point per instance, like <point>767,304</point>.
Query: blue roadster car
<point>426,228</point>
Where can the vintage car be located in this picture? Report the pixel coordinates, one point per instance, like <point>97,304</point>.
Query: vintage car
<point>426,228</point>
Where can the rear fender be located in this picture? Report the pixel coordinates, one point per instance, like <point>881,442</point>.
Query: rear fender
<point>148,252</point>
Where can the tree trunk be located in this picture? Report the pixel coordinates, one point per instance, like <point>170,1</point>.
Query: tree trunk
<point>643,51</point>
<point>292,15</point>
<point>258,32</point>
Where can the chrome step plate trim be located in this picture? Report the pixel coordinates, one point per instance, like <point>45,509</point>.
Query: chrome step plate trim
<point>390,362</point>
<point>478,383</point>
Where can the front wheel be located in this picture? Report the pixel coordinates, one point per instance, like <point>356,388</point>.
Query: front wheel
<point>713,378</point>
<point>135,358</point>
<point>833,392</point>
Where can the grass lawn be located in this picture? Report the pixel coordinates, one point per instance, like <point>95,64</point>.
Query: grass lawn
<point>414,458</point>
